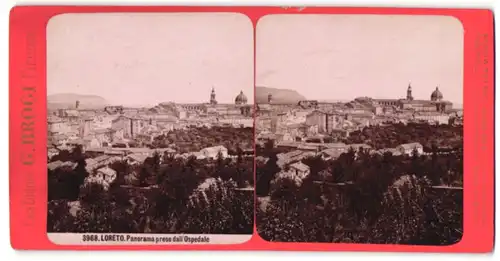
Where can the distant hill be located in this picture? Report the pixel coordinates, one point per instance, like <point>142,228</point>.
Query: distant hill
<point>283,96</point>
<point>68,100</point>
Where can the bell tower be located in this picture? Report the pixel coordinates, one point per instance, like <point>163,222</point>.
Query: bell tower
<point>213,101</point>
<point>409,96</point>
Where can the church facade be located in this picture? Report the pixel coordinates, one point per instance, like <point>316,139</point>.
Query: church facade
<point>436,103</point>
<point>212,108</point>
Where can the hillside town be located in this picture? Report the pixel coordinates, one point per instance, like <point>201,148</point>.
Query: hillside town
<point>151,154</point>
<point>311,122</point>
<point>118,130</point>
<point>350,166</point>
<point>329,129</point>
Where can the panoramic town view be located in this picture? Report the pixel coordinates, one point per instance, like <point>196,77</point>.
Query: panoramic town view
<point>348,149</point>
<point>355,137</point>
<point>142,146</point>
<point>171,161</point>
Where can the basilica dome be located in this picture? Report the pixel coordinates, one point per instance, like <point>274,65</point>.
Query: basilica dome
<point>436,95</point>
<point>241,98</point>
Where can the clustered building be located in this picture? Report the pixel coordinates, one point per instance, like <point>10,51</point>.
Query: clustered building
<point>312,126</point>
<point>120,132</point>
<point>326,117</point>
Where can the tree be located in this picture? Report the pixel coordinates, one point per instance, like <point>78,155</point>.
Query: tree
<point>144,176</point>
<point>58,218</point>
<point>119,195</point>
<point>220,159</point>
<point>122,170</point>
<point>239,155</point>
<point>77,152</point>
<point>92,193</point>
<point>269,148</point>
<point>416,167</point>
<point>284,189</point>
<point>369,198</point>
<point>242,174</point>
<point>266,174</point>
<point>168,207</point>
<point>155,162</point>
<point>315,164</point>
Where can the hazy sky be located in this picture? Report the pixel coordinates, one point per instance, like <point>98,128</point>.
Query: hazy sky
<point>143,59</point>
<point>339,57</point>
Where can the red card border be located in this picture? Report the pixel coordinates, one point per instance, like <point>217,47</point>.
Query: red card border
<point>28,191</point>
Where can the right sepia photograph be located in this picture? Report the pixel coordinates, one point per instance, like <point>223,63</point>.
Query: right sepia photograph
<point>359,129</point>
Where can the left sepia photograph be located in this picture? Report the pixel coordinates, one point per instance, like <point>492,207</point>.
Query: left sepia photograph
<point>150,128</point>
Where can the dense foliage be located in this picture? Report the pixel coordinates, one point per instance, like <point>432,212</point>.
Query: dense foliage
<point>392,135</point>
<point>197,138</point>
<point>364,197</point>
<point>158,196</point>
